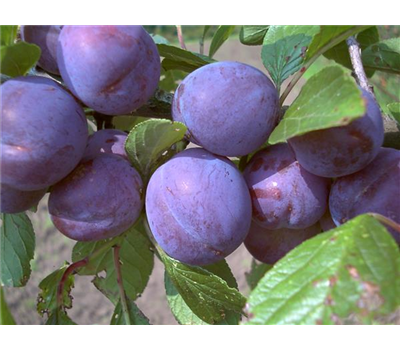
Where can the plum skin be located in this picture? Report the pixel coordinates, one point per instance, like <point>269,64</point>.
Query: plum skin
<point>15,201</point>
<point>198,207</point>
<point>112,69</point>
<point>284,195</point>
<point>110,141</point>
<point>46,37</point>
<point>374,189</point>
<point>100,199</point>
<point>44,133</point>
<point>229,108</point>
<point>269,246</point>
<point>343,150</point>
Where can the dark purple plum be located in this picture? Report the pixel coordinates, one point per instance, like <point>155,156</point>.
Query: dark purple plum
<point>106,141</point>
<point>16,201</point>
<point>269,246</point>
<point>342,150</point>
<point>284,195</point>
<point>44,133</point>
<point>326,222</point>
<point>374,189</point>
<point>112,69</point>
<point>198,207</point>
<point>100,199</point>
<point>46,37</point>
<point>229,108</point>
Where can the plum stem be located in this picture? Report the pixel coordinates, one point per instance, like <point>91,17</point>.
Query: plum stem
<point>122,294</point>
<point>180,37</point>
<point>386,221</point>
<point>70,270</point>
<point>358,68</point>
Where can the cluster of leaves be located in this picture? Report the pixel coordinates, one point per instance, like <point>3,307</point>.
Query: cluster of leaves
<point>347,275</point>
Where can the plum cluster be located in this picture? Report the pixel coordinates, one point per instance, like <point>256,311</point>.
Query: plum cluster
<point>199,206</point>
<point>95,193</point>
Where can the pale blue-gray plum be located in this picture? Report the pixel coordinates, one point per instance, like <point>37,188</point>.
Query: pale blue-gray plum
<point>100,199</point>
<point>106,141</point>
<point>342,150</point>
<point>44,133</point>
<point>229,108</point>
<point>269,246</point>
<point>112,69</point>
<point>46,37</point>
<point>198,207</point>
<point>374,189</point>
<point>16,201</point>
<point>284,195</point>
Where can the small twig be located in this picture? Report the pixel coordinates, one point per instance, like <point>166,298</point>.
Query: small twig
<point>122,294</point>
<point>386,221</point>
<point>359,72</point>
<point>180,37</point>
<point>70,270</point>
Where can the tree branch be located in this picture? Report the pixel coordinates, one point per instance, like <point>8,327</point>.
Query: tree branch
<point>70,270</point>
<point>358,68</point>
<point>180,37</point>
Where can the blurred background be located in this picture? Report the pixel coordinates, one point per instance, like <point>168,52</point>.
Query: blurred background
<point>53,248</point>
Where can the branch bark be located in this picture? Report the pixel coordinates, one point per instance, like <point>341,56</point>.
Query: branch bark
<point>180,37</point>
<point>392,130</point>
<point>358,68</point>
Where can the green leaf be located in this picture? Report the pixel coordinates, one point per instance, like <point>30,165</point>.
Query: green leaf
<point>47,299</point>
<point>18,59</point>
<point>258,270</point>
<point>182,312</point>
<point>329,98</point>
<point>347,275</point>
<point>205,31</point>
<point>136,316</point>
<point>207,295</point>
<point>384,56</point>
<point>137,262</point>
<point>284,50</point>
<point>330,36</point>
<point>59,318</point>
<point>17,248</point>
<point>149,144</point>
<point>252,35</point>
<point>99,253</point>
<point>386,89</point>
<point>177,58</point>
<point>340,52</point>
<point>171,80</point>
<point>221,35</point>
<point>6,317</point>
<point>8,34</point>
<point>394,109</point>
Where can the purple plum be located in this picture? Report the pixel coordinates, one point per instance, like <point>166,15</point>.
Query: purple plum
<point>198,207</point>
<point>342,150</point>
<point>46,37</point>
<point>229,108</point>
<point>269,246</point>
<point>100,199</point>
<point>16,201</point>
<point>106,141</point>
<point>284,195</point>
<point>44,133</point>
<point>112,69</point>
<point>374,189</point>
